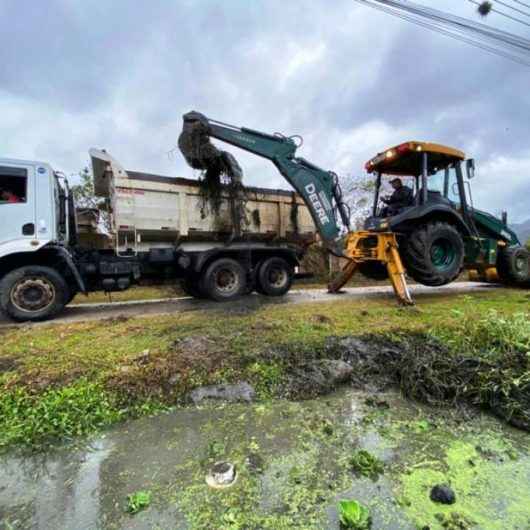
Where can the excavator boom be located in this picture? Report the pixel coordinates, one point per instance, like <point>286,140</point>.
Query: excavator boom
<point>319,189</point>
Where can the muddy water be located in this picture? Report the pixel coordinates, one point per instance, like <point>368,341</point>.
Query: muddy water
<point>292,461</point>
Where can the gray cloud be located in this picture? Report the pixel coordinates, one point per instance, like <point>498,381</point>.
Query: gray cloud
<point>351,80</point>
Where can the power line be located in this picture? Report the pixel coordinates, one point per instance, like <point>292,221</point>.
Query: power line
<point>503,14</point>
<point>525,13</point>
<point>487,38</point>
<point>521,3</point>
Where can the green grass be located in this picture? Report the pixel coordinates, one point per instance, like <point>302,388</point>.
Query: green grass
<point>74,410</point>
<point>64,380</point>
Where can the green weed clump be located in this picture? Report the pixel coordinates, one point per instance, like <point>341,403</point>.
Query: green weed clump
<point>34,420</point>
<point>354,515</point>
<point>366,464</point>
<point>138,501</point>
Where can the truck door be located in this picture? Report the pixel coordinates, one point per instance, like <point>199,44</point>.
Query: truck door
<point>17,202</point>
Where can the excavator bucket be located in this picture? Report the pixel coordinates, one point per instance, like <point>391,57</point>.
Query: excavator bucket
<point>380,247</point>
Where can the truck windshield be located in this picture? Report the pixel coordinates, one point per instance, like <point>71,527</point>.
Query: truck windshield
<point>13,184</point>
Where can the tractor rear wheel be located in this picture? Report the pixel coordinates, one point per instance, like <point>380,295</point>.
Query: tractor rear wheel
<point>433,254</point>
<point>513,265</point>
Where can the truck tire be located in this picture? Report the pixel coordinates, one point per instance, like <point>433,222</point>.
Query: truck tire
<point>33,293</point>
<point>433,254</point>
<point>275,277</point>
<point>513,265</point>
<point>225,279</point>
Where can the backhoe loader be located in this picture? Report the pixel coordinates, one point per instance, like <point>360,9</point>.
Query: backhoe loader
<point>433,238</point>
<point>319,189</point>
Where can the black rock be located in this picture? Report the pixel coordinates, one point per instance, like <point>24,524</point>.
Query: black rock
<point>443,494</point>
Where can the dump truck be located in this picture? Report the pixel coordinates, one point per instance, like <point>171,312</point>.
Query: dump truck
<point>157,231</point>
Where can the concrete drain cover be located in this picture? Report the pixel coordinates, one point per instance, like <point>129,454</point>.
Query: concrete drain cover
<point>221,475</point>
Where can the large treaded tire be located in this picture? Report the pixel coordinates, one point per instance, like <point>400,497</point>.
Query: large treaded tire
<point>433,254</point>
<point>225,279</point>
<point>513,266</point>
<point>33,293</point>
<point>275,277</point>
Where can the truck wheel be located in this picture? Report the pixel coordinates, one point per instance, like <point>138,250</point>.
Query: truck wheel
<point>513,265</point>
<point>33,293</point>
<point>191,287</point>
<point>224,279</point>
<point>275,277</point>
<point>433,254</point>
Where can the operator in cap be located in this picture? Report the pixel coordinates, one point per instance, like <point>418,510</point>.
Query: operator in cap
<point>401,198</point>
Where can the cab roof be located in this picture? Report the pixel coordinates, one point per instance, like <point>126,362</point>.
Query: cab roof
<point>406,158</point>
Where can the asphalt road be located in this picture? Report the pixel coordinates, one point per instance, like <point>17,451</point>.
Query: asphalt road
<point>99,311</point>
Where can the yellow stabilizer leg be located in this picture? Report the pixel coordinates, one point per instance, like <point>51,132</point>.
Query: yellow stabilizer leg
<point>396,273</point>
<point>343,277</point>
<point>366,246</point>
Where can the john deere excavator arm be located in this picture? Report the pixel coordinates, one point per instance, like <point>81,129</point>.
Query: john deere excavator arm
<point>319,189</point>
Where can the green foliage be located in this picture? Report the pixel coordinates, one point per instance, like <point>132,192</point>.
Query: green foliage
<point>366,464</point>
<point>527,244</point>
<point>34,420</point>
<point>493,335</point>
<point>137,501</point>
<point>354,515</point>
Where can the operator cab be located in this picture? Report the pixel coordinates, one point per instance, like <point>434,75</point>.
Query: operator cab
<point>433,173</point>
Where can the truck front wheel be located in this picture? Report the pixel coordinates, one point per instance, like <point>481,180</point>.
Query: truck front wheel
<point>225,279</point>
<point>33,293</point>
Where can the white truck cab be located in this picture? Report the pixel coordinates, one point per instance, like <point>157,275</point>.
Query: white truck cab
<point>29,206</point>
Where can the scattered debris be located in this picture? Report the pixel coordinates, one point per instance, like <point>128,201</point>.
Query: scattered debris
<point>255,463</point>
<point>231,393</point>
<point>443,494</point>
<point>221,475</point>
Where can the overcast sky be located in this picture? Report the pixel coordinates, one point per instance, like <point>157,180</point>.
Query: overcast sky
<point>119,75</point>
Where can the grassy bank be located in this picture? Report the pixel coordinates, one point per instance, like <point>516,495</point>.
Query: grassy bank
<point>59,381</point>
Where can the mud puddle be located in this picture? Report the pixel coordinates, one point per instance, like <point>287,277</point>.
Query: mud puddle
<point>293,464</point>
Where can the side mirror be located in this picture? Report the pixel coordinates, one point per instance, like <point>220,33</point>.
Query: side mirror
<point>470,167</point>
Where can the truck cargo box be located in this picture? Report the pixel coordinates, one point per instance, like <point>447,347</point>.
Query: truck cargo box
<point>148,209</point>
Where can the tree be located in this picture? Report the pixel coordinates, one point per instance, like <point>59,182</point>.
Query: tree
<point>358,194</point>
<point>528,243</point>
<point>85,197</point>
